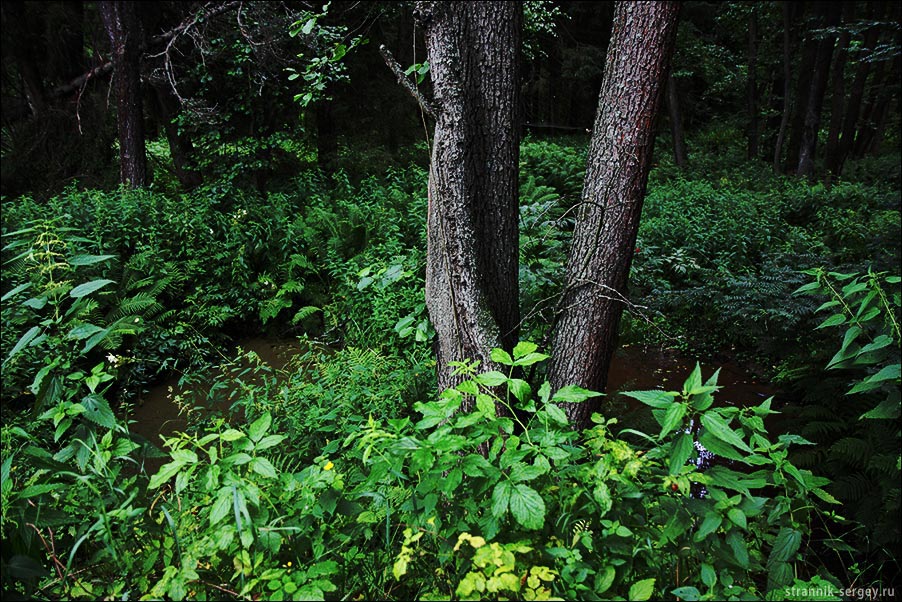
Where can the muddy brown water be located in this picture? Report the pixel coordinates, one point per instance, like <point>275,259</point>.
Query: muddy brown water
<point>633,368</point>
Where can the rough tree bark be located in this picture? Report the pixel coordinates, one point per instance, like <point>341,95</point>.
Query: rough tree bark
<point>812,124</point>
<point>124,30</point>
<point>472,265</point>
<point>675,112</point>
<point>809,49</point>
<point>181,149</point>
<point>617,173</point>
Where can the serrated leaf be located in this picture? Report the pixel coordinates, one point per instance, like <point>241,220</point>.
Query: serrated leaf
<point>573,394</point>
<point>26,338</point>
<point>711,523</point>
<point>642,590</point>
<point>834,320</point>
<point>673,418</point>
<point>680,452</point>
<point>527,506</point>
<point>524,348</point>
<point>89,259</point>
<point>719,428</point>
<point>655,399</point>
<point>269,441</point>
<point>492,378</point>
<point>259,427</point>
<point>166,472</point>
<point>740,550</point>
<point>694,380</point>
<point>263,467</point>
<point>501,496</point>
<point>519,388</point>
<point>785,546</point>
<point>531,358</point>
<point>556,414</point>
<point>221,506</point>
<point>89,287</point>
<point>888,409</point>
<point>231,435</point>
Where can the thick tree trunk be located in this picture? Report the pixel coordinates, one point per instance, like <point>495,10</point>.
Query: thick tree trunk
<point>616,176</point>
<point>124,30</point>
<point>815,103</point>
<point>752,88</point>
<point>787,85</point>
<point>837,100</point>
<point>676,123</point>
<point>871,131</point>
<point>472,265</point>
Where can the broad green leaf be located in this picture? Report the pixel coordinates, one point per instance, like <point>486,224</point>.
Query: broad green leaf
<point>879,343</point>
<point>711,523</point>
<point>693,381</point>
<point>221,506</point>
<point>89,287</point>
<point>26,338</point>
<point>688,593</point>
<point>89,259</point>
<point>520,388</point>
<point>573,394</point>
<point>737,517</point>
<point>83,331</point>
<point>888,409</point>
<point>231,435</point>
<point>98,411</point>
<point>740,550</point>
<point>719,428</point>
<point>642,590</point>
<point>680,452</point>
<point>605,579</point>
<point>166,472</point>
<point>500,356</point>
<point>259,427</point>
<point>834,320</point>
<point>501,498</point>
<point>557,414</point>
<point>525,472</point>
<point>527,506</point>
<point>524,348</point>
<point>530,359</point>
<point>184,456</point>
<point>673,418</point>
<point>709,577</point>
<point>655,399</point>
<point>15,291</point>
<point>785,546</point>
<point>779,575</point>
<point>491,379</point>
<point>263,467</point>
<point>269,441</point>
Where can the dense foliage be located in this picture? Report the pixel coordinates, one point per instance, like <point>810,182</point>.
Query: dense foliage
<point>282,207</point>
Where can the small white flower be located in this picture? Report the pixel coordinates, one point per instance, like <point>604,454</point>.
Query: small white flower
<point>137,320</point>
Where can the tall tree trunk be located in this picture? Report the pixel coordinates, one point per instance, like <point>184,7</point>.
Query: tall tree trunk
<point>752,87</point>
<point>803,91</point>
<point>616,176</point>
<point>838,97</point>
<point>181,148</point>
<point>787,84</point>
<point>472,265</point>
<point>856,94</point>
<point>815,103</point>
<point>871,130</point>
<point>124,30</point>
<point>676,123</point>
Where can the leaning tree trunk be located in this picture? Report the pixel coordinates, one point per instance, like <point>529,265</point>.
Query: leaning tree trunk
<point>616,176</point>
<point>472,264</point>
<point>121,21</point>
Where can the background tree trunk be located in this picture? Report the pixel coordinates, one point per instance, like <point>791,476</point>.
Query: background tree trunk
<point>838,97</point>
<point>752,87</point>
<point>23,46</point>
<point>803,89</point>
<point>472,266</point>
<point>787,84</point>
<point>181,149</point>
<point>616,176</point>
<point>124,30</point>
<point>676,123</point>
<point>815,103</point>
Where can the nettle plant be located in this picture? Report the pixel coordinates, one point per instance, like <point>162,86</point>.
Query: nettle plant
<point>507,501</point>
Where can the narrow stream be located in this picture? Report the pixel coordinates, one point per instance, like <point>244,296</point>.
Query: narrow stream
<point>633,368</point>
